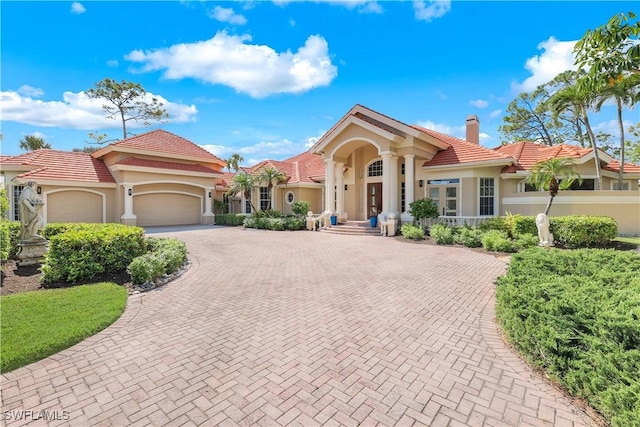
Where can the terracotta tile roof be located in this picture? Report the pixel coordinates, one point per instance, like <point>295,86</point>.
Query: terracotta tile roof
<point>62,166</point>
<point>308,167</point>
<point>157,164</point>
<point>628,167</point>
<point>226,178</point>
<point>527,154</point>
<point>161,141</point>
<point>460,151</point>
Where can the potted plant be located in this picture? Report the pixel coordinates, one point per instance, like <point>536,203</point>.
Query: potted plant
<point>373,217</point>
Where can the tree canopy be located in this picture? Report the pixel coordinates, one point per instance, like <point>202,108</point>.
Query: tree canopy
<point>126,101</point>
<point>33,143</point>
<point>553,175</point>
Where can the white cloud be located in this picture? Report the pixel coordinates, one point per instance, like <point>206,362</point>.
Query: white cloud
<point>77,111</point>
<point>494,114</point>
<point>556,58</point>
<point>112,63</point>
<point>257,70</point>
<point>313,139</point>
<point>457,131</point>
<point>479,103</point>
<point>362,6</point>
<point>435,9</point>
<point>612,128</point>
<point>224,14</point>
<point>77,8</point>
<point>292,22</point>
<point>27,90</point>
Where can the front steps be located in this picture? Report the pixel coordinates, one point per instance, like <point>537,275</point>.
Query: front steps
<point>353,228</point>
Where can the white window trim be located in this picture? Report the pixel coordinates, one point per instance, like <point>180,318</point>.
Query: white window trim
<point>495,195</point>
<point>286,197</point>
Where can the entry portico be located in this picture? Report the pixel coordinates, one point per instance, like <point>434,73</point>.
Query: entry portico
<point>370,164</point>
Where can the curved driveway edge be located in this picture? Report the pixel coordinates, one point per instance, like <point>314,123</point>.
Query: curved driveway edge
<point>298,328</point>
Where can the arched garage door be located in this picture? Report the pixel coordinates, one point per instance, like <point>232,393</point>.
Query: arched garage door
<point>166,209</point>
<point>74,206</point>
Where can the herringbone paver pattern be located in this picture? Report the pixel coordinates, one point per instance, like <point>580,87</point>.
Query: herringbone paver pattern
<point>302,329</point>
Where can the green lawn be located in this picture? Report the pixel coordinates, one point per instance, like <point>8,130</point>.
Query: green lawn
<point>631,240</point>
<point>34,325</point>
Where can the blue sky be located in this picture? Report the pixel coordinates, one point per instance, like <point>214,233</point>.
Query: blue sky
<point>266,79</point>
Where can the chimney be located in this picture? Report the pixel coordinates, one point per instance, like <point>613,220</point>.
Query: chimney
<point>473,129</point>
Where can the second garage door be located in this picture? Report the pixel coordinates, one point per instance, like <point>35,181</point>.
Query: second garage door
<point>166,209</point>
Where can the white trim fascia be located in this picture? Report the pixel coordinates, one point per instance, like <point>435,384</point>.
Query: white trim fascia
<point>631,199</point>
<point>162,171</point>
<point>470,165</point>
<point>164,181</point>
<point>359,122</point>
<point>302,185</point>
<point>21,181</point>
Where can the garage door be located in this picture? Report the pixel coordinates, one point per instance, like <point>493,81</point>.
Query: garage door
<point>74,206</point>
<point>166,209</point>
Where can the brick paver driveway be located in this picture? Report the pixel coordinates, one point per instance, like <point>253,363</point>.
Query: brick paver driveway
<point>300,328</point>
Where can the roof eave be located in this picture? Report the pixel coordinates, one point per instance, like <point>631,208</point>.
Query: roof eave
<point>482,163</point>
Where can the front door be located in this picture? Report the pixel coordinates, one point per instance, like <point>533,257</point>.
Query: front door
<point>374,199</point>
<point>447,199</point>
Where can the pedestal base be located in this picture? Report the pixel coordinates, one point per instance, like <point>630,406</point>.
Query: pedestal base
<point>32,252</point>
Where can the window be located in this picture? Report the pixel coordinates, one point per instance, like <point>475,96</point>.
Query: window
<point>487,193</point>
<point>225,201</point>
<point>17,189</point>
<point>247,204</point>
<point>402,169</point>
<point>290,197</point>
<point>586,184</point>
<point>264,198</point>
<point>443,181</point>
<point>375,168</point>
<point>615,186</point>
<point>403,197</point>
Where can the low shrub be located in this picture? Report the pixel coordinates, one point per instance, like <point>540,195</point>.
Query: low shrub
<point>277,224</point>
<point>494,223</point>
<point>580,231</point>
<point>301,208</point>
<point>469,237</point>
<point>230,219</point>
<point>293,223</point>
<point>524,241</point>
<point>9,239</point>
<point>424,208</point>
<point>410,231</point>
<point>576,314</point>
<point>442,234</point>
<point>84,253</point>
<point>497,240</point>
<point>166,256</point>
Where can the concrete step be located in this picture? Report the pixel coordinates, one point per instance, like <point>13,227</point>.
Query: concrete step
<point>352,229</point>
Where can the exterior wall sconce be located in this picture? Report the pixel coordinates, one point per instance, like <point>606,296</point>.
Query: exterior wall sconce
<point>420,183</point>
<point>39,190</point>
<point>130,191</point>
<point>345,187</point>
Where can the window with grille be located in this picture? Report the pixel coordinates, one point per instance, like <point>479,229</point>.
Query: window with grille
<point>375,168</point>
<point>487,194</point>
<point>17,189</point>
<point>264,198</point>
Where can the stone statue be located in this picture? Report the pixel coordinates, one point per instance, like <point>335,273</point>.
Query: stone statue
<point>545,236</point>
<point>31,220</point>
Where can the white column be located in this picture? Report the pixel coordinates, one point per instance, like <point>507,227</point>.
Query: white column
<point>409,177</point>
<point>340,189</point>
<point>329,185</point>
<point>128,217</point>
<point>208,197</point>
<point>393,189</point>
<point>386,182</point>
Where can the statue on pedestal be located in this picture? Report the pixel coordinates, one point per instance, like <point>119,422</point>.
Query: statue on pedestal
<point>545,236</point>
<point>32,245</point>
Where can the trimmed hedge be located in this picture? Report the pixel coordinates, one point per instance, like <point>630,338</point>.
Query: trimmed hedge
<point>576,231</point>
<point>230,219</point>
<point>166,256</point>
<point>576,314</point>
<point>469,237</point>
<point>442,234</point>
<point>277,224</point>
<point>80,252</point>
<point>9,239</point>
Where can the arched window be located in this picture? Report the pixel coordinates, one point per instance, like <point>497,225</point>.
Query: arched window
<point>375,168</point>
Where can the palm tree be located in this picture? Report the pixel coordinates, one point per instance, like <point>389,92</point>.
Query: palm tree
<point>625,93</point>
<point>271,175</point>
<point>580,100</point>
<point>242,183</point>
<point>553,175</point>
<point>33,143</point>
<point>233,162</point>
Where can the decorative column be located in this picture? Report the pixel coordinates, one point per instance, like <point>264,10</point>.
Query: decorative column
<point>386,182</point>
<point>208,217</point>
<point>409,183</point>
<point>393,189</point>
<point>329,185</point>
<point>340,190</point>
<point>128,218</point>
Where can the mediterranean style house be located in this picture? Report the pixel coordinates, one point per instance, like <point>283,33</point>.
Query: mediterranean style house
<point>366,164</point>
